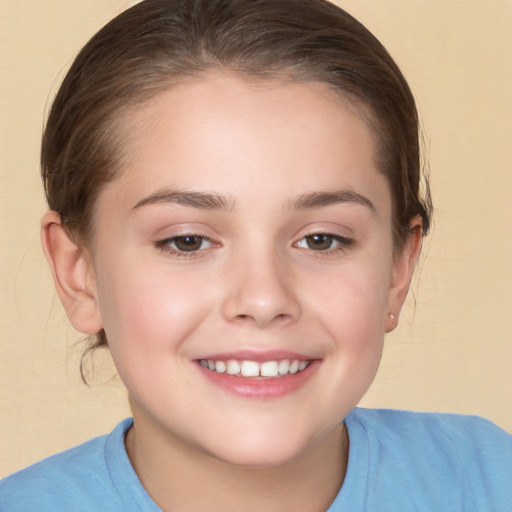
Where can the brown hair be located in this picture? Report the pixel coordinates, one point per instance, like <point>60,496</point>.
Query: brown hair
<point>157,43</point>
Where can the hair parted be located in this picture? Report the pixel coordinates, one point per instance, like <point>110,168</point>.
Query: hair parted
<point>158,43</point>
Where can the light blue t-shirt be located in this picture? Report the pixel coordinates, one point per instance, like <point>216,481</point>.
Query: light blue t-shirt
<point>398,462</point>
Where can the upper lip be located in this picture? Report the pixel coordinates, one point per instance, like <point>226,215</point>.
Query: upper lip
<point>259,355</point>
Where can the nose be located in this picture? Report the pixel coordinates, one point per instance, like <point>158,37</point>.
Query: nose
<point>261,292</point>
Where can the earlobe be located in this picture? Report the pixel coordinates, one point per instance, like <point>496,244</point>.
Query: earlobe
<point>403,269</point>
<point>73,275</point>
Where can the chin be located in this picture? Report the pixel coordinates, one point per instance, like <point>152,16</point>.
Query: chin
<point>257,459</point>
<point>262,450</point>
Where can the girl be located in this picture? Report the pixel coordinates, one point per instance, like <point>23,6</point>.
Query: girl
<point>235,210</point>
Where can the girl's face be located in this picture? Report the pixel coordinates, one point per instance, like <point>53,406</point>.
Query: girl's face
<point>249,231</point>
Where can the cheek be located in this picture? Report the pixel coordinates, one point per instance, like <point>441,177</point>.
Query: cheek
<point>147,318</point>
<point>352,298</point>
<point>149,308</point>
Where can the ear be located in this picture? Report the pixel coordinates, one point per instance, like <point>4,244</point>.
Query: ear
<point>403,268</point>
<point>73,274</point>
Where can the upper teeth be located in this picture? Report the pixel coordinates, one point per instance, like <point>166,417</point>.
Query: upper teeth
<point>255,369</point>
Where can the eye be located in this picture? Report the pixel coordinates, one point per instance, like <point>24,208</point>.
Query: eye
<point>324,242</point>
<point>185,244</point>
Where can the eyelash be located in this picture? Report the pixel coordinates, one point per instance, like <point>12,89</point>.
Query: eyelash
<point>343,244</point>
<point>165,246</point>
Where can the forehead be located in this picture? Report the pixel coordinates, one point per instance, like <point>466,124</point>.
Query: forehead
<point>231,135</point>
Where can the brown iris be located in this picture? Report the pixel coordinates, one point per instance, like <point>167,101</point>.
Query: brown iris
<point>188,243</point>
<point>319,242</point>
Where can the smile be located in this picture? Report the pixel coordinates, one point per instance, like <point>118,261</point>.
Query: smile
<point>255,369</point>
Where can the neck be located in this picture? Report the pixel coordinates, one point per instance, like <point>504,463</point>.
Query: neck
<point>180,478</point>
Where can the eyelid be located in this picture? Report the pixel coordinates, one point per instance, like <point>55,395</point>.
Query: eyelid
<point>344,243</point>
<point>165,245</point>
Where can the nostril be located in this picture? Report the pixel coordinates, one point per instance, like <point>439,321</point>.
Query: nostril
<point>281,318</point>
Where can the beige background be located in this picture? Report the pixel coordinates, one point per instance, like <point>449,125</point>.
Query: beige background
<point>452,351</point>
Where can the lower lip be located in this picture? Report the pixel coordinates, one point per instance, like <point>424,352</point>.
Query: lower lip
<point>265,388</point>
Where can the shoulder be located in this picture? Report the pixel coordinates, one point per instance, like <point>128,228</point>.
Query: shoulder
<point>466,458</point>
<point>77,479</point>
<point>445,428</point>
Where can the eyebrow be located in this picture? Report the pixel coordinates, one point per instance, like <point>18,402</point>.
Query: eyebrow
<point>320,199</point>
<point>203,200</point>
<point>212,201</point>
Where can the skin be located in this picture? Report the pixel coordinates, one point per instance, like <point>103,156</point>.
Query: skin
<point>255,283</point>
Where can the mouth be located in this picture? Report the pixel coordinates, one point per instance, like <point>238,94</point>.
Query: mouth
<point>262,376</point>
<point>255,369</point>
